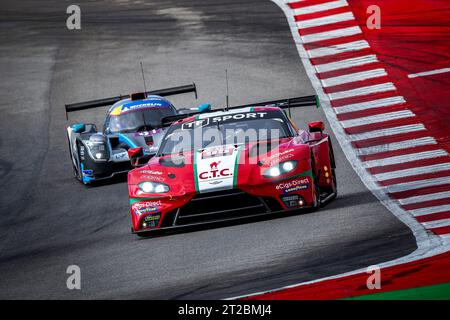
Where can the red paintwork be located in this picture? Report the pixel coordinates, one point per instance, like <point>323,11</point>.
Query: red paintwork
<point>250,179</point>
<point>316,125</point>
<point>424,272</point>
<point>134,151</point>
<point>414,38</point>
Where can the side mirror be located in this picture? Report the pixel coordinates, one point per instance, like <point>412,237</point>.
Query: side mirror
<point>78,127</point>
<point>135,154</point>
<point>84,128</point>
<point>317,126</point>
<point>204,107</point>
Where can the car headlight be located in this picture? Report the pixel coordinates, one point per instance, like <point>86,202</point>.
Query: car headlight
<point>280,169</point>
<point>153,187</point>
<point>97,150</point>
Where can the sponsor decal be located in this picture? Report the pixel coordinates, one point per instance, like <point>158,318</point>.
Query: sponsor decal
<point>239,116</point>
<point>88,172</point>
<point>151,172</point>
<point>218,172</point>
<point>217,151</point>
<point>151,220</point>
<point>152,175</point>
<point>290,198</point>
<point>152,178</point>
<point>140,208</point>
<point>149,104</point>
<point>145,210</point>
<point>132,106</point>
<point>214,173</point>
<point>142,134</point>
<point>147,133</point>
<point>291,201</point>
<point>120,156</point>
<point>296,188</point>
<point>214,165</point>
<point>146,204</point>
<point>195,124</point>
<point>223,118</point>
<point>294,185</point>
<point>281,156</point>
<point>135,200</point>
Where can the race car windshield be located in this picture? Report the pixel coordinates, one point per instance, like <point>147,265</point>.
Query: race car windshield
<point>182,138</point>
<point>145,119</point>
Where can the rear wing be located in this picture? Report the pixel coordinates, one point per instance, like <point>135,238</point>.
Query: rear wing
<point>305,101</point>
<point>285,104</point>
<point>110,101</point>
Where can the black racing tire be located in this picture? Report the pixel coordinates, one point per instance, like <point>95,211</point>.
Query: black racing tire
<point>317,192</point>
<point>316,204</point>
<point>333,172</point>
<point>335,191</point>
<point>77,170</point>
<point>76,173</point>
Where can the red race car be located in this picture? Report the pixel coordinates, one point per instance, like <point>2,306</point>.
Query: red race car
<point>231,164</point>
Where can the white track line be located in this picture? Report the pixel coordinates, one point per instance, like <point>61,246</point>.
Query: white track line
<point>347,63</point>
<point>397,146</point>
<point>377,118</point>
<point>385,102</point>
<point>405,158</point>
<point>325,20</point>
<point>412,171</point>
<point>425,197</point>
<point>353,77</point>
<point>387,132</point>
<point>338,48</point>
<point>437,223</point>
<point>384,87</point>
<point>327,35</point>
<point>321,7</point>
<point>428,73</point>
<point>406,186</point>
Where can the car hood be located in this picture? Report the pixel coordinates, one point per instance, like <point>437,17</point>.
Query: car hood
<point>219,168</point>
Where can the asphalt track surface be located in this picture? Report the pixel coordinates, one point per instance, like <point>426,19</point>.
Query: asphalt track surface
<point>49,221</point>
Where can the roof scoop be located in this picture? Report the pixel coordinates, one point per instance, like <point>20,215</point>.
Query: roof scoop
<point>138,96</point>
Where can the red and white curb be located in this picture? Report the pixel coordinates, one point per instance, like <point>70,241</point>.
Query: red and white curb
<point>385,142</point>
<point>394,152</point>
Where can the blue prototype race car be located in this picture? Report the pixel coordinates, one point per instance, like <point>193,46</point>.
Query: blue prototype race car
<point>131,133</point>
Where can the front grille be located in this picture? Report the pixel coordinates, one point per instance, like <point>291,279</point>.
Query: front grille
<point>223,205</point>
